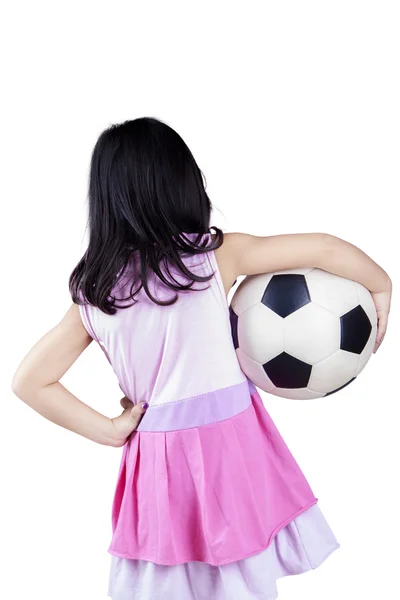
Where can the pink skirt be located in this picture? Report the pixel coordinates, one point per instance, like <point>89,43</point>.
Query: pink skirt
<point>210,503</point>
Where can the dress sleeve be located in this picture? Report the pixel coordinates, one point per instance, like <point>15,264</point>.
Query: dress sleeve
<point>85,320</point>
<point>83,311</point>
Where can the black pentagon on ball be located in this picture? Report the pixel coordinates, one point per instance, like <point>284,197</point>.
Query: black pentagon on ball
<point>340,388</point>
<point>234,321</point>
<point>285,294</point>
<point>355,329</point>
<point>286,371</point>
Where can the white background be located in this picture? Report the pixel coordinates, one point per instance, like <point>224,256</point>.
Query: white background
<point>291,110</point>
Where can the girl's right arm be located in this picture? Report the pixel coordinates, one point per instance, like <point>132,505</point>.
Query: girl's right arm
<point>250,255</point>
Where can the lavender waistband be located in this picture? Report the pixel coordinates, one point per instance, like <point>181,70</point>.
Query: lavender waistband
<point>198,410</point>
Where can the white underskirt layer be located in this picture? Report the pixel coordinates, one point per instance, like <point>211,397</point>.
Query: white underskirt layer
<point>300,546</point>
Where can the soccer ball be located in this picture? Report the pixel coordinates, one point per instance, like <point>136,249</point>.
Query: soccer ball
<point>303,333</point>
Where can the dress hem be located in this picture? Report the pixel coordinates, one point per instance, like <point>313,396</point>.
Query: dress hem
<point>282,575</point>
<point>311,568</point>
<point>229,560</point>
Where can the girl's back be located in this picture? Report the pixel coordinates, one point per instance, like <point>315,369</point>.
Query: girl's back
<point>165,354</point>
<point>209,501</point>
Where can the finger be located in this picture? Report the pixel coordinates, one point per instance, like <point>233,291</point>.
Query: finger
<point>137,412</point>
<point>382,324</point>
<point>126,403</point>
<point>378,343</point>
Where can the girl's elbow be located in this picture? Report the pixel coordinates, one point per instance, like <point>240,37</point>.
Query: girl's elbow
<point>17,386</point>
<point>21,387</point>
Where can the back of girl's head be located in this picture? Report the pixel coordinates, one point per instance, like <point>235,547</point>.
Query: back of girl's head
<point>145,191</point>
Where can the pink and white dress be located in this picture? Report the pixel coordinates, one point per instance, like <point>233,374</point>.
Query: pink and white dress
<point>209,503</point>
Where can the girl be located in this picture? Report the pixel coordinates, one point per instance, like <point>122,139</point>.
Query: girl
<point>209,502</point>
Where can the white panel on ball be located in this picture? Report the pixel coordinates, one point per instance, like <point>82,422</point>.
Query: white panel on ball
<point>335,293</point>
<point>260,333</point>
<point>297,394</point>
<point>333,372</point>
<point>299,271</point>
<point>249,292</point>
<point>367,302</point>
<point>311,333</point>
<point>254,372</point>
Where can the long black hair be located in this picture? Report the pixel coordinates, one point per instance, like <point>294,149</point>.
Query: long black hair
<point>145,191</point>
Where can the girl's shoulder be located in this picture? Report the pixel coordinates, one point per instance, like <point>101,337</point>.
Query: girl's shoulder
<point>224,258</point>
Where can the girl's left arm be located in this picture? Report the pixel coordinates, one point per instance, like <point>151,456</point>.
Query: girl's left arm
<point>36,381</point>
